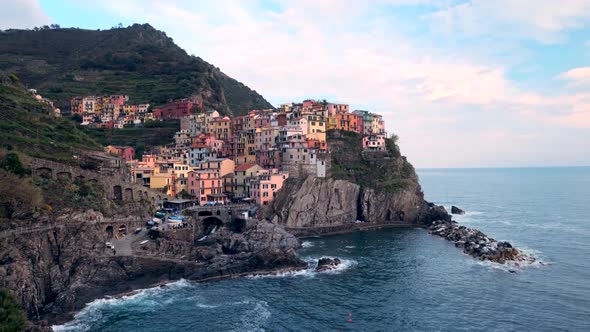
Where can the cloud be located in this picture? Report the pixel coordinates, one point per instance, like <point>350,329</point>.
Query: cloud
<point>17,14</point>
<point>578,76</point>
<point>542,20</point>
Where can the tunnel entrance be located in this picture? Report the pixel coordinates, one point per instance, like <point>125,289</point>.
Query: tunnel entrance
<point>118,193</point>
<point>109,230</point>
<point>211,225</point>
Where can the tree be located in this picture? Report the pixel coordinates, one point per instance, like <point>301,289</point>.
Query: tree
<point>12,163</point>
<point>184,194</point>
<point>12,317</point>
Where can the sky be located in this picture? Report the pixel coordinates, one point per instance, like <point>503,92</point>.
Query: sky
<point>463,83</point>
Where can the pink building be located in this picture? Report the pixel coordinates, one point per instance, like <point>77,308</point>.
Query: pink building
<point>333,109</point>
<point>265,186</point>
<point>374,143</point>
<point>125,152</point>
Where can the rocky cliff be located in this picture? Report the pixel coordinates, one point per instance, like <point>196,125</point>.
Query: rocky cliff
<point>55,270</point>
<point>365,189</point>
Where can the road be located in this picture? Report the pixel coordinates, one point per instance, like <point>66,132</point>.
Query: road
<point>123,245</point>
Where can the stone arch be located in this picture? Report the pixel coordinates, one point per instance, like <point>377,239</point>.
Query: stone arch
<point>145,195</point>
<point>211,224</point>
<point>128,194</point>
<point>218,212</point>
<point>95,181</point>
<point>45,172</point>
<point>64,176</point>
<point>122,230</point>
<point>117,193</point>
<point>80,178</point>
<point>110,232</point>
<point>388,216</point>
<point>205,213</point>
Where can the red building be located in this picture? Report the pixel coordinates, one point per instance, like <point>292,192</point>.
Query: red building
<point>174,110</point>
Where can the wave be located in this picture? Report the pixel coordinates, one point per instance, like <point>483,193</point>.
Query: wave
<point>307,244</point>
<point>254,319</point>
<point>517,266</point>
<point>92,313</point>
<point>309,272</point>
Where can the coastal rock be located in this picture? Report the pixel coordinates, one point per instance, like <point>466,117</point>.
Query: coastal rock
<point>478,245</point>
<point>456,210</point>
<point>327,264</point>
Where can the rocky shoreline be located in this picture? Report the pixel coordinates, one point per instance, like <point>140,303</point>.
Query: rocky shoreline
<point>478,245</point>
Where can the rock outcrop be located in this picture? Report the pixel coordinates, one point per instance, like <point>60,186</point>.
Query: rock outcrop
<point>456,210</point>
<point>327,264</point>
<point>479,245</point>
<point>55,270</point>
<point>330,204</point>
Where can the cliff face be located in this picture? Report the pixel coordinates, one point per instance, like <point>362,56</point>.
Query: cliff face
<point>364,189</point>
<point>55,270</point>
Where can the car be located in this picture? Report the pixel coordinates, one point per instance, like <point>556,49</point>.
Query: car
<point>109,245</point>
<point>218,203</point>
<point>137,230</point>
<point>209,204</point>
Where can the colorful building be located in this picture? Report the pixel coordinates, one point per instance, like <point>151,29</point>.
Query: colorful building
<point>264,187</point>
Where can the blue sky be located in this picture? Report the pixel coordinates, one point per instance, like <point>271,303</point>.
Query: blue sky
<point>465,83</point>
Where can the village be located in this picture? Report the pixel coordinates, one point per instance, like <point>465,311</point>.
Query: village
<point>218,159</point>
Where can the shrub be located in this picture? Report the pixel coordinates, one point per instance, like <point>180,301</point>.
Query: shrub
<point>12,163</point>
<point>12,317</point>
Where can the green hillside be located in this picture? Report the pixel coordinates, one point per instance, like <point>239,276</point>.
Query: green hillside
<point>138,61</point>
<point>26,125</point>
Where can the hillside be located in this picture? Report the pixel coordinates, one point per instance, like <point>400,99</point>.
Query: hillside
<point>26,125</point>
<point>138,61</point>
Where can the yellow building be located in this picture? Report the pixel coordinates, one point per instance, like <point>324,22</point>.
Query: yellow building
<point>316,127</point>
<point>331,123</point>
<point>220,128</point>
<point>242,175</point>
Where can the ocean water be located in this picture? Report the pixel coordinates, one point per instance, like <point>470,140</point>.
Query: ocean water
<point>404,279</point>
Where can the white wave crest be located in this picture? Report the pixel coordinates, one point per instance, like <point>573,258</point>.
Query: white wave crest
<point>307,244</point>
<point>309,272</point>
<point>93,311</point>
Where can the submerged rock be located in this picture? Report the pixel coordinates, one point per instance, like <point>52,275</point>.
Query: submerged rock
<point>327,264</point>
<point>456,210</point>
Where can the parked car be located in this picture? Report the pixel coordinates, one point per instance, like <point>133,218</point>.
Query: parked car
<point>137,230</point>
<point>219,203</point>
<point>109,245</point>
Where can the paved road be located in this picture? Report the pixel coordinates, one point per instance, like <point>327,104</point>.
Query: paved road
<point>123,245</point>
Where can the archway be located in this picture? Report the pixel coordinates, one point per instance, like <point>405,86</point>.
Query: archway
<point>122,230</point>
<point>211,225</point>
<point>117,193</point>
<point>128,194</point>
<point>64,176</point>
<point>110,232</point>
<point>44,172</point>
<point>205,213</point>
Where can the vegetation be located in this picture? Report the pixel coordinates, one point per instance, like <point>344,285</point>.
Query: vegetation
<point>12,317</point>
<point>138,61</point>
<point>27,126</point>
<point>153,134</point>
<point>385,171</point>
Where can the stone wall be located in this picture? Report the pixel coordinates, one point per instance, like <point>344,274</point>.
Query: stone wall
<point>116,184</point>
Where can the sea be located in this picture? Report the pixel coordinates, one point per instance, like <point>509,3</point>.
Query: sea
<point>404,279</point>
